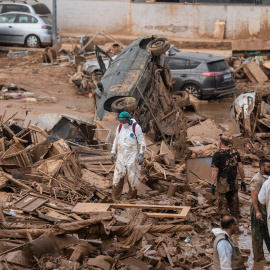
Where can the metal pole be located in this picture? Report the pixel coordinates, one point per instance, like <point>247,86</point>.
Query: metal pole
<point>54,32</point>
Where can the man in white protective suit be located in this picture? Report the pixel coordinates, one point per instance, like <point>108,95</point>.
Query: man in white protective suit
<point>129,146</point>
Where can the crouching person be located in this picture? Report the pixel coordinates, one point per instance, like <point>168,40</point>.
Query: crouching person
<point>129,146</point>
<point>227,255</point>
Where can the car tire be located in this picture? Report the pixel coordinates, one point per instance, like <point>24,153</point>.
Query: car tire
<point>32,41</point>
<point>166,75</point>
<point>158,46</point>
<point>193,90</point>
<point>128,104</point>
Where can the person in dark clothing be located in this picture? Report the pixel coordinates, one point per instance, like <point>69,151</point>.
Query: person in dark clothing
<point>225,163</point>
<point>258,212</point>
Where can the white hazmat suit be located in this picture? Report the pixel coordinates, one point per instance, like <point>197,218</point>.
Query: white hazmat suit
<point>128,146</point>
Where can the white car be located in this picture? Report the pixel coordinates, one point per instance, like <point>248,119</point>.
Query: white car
<point>26,29</point>
<point>33,7</point>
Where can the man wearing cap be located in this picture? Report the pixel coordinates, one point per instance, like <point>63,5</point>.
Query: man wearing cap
<point>129,145</point>
<point>225,163</point>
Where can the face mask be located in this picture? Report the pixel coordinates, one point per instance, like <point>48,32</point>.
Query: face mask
<point>125,125</point>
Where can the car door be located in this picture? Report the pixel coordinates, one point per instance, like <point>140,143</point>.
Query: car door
<point>7,27</point>
<point>24,25</point>
<point>180,71</point>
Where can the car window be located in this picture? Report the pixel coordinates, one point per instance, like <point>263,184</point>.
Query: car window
<point>218,66</point>
<point>1,8</point>
<point>25,9</point>
<point>178,63</point>
<point>46,19</point>
<point>193,64</point>
<point>8,18</point>
<point>26,19</point>
<point>41,9</point>
<point>12,8</point>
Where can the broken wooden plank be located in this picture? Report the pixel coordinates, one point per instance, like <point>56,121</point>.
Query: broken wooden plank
<point>254,72</point>
<point>166,215</point>
<point>168,255</point>
<point>167,154</point>
<point>85,208</point>
<point>9,177</point>
<point>96,158</point>
<point>148,206</point>
<point>29,203</point>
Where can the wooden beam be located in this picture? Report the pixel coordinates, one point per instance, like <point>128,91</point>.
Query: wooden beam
<point>148,206</point>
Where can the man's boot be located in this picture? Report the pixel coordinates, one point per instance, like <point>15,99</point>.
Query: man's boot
<point>116,192</point>
<point>132,194</point>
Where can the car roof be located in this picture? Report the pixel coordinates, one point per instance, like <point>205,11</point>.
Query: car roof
<point>25,3</point>
<point>202,57</point>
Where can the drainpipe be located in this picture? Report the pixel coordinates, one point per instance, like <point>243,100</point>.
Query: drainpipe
<point>54,30</point>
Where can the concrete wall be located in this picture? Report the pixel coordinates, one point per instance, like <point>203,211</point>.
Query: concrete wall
<point>89,16</point>
<point>173,20</point>
<point>191,21</point>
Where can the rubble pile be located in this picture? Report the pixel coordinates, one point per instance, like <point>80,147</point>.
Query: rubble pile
<point>56,177</point>
<point>83,60</point>
<point>57,210</point>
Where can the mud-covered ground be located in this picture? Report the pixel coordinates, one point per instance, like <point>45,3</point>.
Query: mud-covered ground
<point>44,81</point>
<point>52,81</point>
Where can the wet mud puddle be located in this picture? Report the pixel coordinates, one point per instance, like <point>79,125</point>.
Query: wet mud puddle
<point>244,242</point>
<point>218,111</point>
<point>76,102</point>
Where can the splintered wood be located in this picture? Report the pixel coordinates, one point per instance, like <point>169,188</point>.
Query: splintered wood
<point>86,208</point>
<point>254,73</point>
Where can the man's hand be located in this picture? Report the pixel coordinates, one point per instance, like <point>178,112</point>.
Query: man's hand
<point>112,158</point>
<point>243,186</point>
<point>258,215</point>
<point>213,189</point>
<point>141,157</point>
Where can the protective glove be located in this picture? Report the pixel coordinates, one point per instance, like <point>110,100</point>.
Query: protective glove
<point>213,189</point>
<point>141,157</point>
<point>243,186</point>
<point>112,158</point>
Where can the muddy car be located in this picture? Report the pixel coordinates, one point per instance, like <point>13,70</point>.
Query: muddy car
<point>139,81</point>
<point>125,81</point>
<point>250,113</point>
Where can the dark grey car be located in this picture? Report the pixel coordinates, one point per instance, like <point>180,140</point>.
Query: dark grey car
<point>205,76</point>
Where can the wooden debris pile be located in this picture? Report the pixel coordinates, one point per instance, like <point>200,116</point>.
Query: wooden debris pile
<point>50,195</point>
<point>57,211</point>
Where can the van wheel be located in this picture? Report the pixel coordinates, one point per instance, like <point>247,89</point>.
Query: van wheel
<point>128,104</point>
<point>193,90</point>
<point>32,41</point>
<point>158,46</point>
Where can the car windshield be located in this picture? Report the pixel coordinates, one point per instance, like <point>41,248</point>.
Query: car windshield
<point>218,66</point>
<point>41,9</point>
<point>46,19</point>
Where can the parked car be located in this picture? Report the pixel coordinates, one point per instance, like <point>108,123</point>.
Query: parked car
<point>205,76</point>
<point>25,29</point>
<point>33,7</point>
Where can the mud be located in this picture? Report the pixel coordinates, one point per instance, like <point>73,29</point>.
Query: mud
<point>53,81</point>
<point>215,110</point>
<point>244,242</point>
